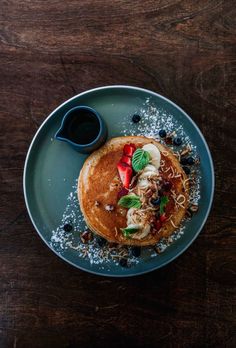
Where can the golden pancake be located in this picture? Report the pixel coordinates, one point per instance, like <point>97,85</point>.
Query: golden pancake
<point>99,184</point>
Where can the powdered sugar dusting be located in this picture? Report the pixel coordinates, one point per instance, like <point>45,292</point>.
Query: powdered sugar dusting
<point>152,120</point>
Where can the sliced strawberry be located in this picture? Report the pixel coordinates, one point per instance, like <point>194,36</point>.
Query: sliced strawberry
<point>128,150</point>
<point>122,192</point>
<point>125,172</point>
<point>158,225</point>
<point>127,160</point>
<point>163,217</point>
<point>133,146</point>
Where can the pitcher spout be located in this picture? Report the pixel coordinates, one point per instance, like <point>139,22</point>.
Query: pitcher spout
<point>60,135</point>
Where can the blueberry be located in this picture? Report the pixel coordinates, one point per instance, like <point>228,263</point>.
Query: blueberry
<point>136,118</point>
<point>177,141</point>
<point>67,227</point>
<point>101,241</point>
<point>123,262</point>
<point>162,133</point>
<point>190,160</point>
<point>156,201</point>
<point>184,161</point>
<point>186,169</point>
<point>136,251</point>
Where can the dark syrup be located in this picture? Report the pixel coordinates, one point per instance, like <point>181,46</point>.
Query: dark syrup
<point>83,127</point>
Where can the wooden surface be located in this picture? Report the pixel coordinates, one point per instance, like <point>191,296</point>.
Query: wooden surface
<point>52,50</point>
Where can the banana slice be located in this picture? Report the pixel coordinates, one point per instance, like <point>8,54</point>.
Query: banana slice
<point>154,153</point>
<point>150,168</point>
<point>130,214</point>
<point>143,233</point>
<point>149,174</point>
<point>142,183</point>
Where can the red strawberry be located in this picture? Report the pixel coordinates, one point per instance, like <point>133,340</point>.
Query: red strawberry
<point>122,192</point>
<point>127,160</point>
<point>158,225</point>
<point>128,150</point>
<point>133,146</point>
<point>163,217</point>
<point>125,172</point>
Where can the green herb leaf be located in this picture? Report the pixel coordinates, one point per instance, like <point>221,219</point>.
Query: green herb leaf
<point>164,201</point>
<point>128,231</point>
<point>140,159</point>
<point>130,201</point>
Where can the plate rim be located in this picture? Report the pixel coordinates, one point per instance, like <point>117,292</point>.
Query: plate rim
<point>156,95</point>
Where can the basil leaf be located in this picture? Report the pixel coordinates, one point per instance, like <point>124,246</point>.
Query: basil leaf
<point>128,231</point>
<point>140,159</point>
<point>164,201</point>
<point>130,201</point>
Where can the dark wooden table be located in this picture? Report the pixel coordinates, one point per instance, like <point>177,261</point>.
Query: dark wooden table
<point>52,50</point>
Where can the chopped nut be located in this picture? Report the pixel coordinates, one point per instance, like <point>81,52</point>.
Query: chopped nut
<point>96,203</point>
<point>109,207</point>
<point>157,250</point>
<point>168,140</point>
<point>86,236</point>
<point>189,213</point>
<point>185,151</point>
<point>148,194</point>
<point>153,230</point>
<point>193,208</point>
<point>153,187</point>
<point>82,239</point>
<point>152,220</point>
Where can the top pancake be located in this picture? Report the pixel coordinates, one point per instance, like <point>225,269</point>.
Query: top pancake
<point>99,184</point>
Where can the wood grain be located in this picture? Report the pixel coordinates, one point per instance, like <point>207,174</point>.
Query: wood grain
<point>52,50</point>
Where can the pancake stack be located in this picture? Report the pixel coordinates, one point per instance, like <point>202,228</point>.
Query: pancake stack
<point>159,192</point>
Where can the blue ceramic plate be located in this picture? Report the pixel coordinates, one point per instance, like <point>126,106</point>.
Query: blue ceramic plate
<point>52,167</point>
